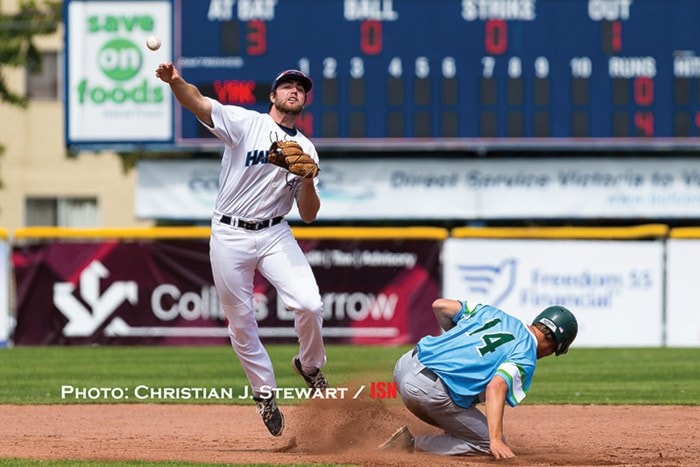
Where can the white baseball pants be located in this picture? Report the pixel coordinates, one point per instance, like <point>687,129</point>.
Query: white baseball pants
<point>235,255</point>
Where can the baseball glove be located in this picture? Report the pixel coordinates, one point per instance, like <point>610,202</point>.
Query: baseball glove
<point>289,155</point>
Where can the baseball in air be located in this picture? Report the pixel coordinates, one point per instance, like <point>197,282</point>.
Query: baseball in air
<point>153,43</point>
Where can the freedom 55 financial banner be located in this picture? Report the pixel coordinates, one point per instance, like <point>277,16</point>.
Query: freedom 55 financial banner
<point>615,289</point>
<point>682,269</point>
<point>112,93</point>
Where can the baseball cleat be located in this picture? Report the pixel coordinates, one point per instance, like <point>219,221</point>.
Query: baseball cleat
<point>271,415</point>
<point>315,380</point>
<point>401,441</point>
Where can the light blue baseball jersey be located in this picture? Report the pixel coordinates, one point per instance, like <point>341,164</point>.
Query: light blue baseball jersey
<point>484,342</point>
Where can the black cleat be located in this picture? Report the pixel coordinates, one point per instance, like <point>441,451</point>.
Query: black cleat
<point>401,441</point>
<point>271,415</point>
<point>315,380</point>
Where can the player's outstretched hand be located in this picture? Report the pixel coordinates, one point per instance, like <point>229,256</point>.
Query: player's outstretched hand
<point>499,450</point>
<point>167,72</point>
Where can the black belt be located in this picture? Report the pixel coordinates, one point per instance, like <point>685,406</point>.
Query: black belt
<point>236,222</point>
<point>427,372</point>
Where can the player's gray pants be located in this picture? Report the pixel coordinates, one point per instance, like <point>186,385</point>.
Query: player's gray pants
<point>465,430</point>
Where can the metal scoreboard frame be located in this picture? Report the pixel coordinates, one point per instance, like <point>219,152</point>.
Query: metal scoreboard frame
<point>542,74</point>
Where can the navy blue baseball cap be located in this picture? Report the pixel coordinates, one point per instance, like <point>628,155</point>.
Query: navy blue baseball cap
<point>293,75</point>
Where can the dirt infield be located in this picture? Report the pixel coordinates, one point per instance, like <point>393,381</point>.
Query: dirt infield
<point>341,432</point>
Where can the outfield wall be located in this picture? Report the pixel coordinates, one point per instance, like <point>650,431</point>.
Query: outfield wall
<point>628,286</point>
<point>156,287</point>
<point>682,291</point>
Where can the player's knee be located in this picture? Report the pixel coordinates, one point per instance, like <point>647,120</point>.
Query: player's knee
<point>315,312</point>
<point>248,347</point>
<point>311,304</point>
<point>243,332</point>
<point>244,340</point>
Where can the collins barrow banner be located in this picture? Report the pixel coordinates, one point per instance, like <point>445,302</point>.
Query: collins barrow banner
<point>161,292</point>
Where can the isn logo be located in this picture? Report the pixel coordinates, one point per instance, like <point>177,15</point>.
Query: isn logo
<point>382,390</point>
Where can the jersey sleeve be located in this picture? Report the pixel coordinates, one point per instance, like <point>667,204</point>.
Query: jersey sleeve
<point>229,122</point>
<point>518,379</point>
<point>466,311</point>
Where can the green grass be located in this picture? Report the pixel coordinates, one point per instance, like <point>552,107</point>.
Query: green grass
<point>619,376</point>
<point>35,375</point>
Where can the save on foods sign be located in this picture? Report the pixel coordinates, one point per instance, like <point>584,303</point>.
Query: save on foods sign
<point>112,93</point>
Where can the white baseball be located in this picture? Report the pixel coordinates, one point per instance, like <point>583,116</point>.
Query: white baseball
<point>153,43</point>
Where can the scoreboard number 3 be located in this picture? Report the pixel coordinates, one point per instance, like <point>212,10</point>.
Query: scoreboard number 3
<point>256,39</point>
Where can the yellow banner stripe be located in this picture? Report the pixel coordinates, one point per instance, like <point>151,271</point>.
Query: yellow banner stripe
<point>154,232</point>
<point>428,233</point>
<point>370,233</point>
<point>685,232</point>
<point>632,232</point>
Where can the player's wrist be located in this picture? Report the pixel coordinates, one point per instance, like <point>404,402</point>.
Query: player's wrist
<point>176,80</point>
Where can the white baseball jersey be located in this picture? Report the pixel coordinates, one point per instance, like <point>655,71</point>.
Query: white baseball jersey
<point>249,187</point>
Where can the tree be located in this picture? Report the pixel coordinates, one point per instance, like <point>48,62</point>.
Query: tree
<point>17,49</point>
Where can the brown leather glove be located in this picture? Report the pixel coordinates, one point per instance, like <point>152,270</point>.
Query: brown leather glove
<point>289,155</point>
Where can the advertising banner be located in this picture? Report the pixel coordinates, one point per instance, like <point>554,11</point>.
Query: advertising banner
<point>178,189</point>
<point>683,295</point>
<point>4,292</point>
<point>435,188</point>
<point>615,288</point>
<point>161,292</point>
<point>112,94</point>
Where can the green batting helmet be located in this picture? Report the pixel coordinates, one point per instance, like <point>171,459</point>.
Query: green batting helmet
<point>563,325</point>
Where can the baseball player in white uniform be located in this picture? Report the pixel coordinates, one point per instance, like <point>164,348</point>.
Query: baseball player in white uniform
<point>248,229</point>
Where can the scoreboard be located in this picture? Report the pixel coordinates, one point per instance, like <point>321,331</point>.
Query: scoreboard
<point>527,70</point>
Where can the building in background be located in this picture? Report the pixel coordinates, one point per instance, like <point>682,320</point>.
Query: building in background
<point>43,185</point>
